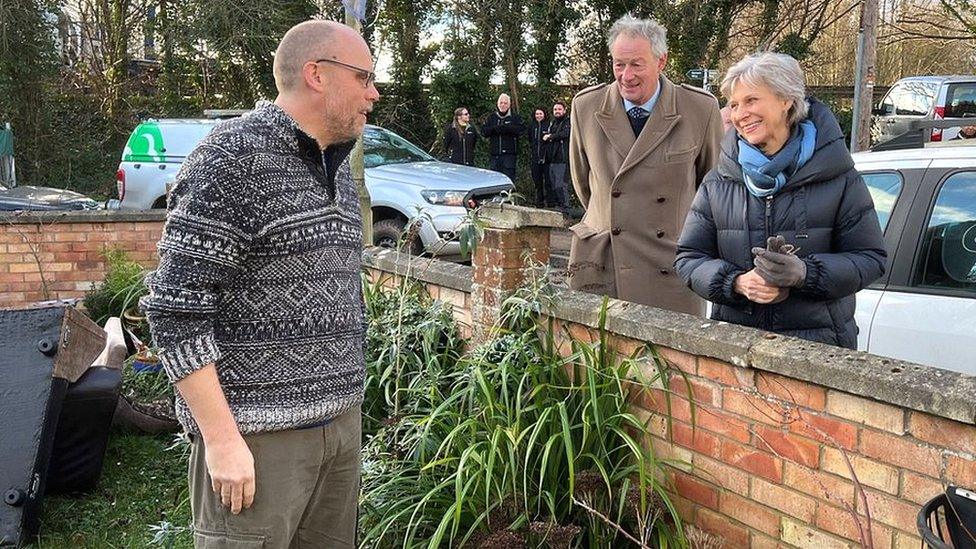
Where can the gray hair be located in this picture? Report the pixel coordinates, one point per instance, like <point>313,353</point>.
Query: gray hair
<point>648,29</point>
<point>778,72</point>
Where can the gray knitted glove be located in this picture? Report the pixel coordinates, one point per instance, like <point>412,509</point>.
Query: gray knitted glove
<point>777,264</point>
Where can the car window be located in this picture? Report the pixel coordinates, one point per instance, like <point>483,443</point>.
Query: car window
<point>914,99</point>
<point>382,147</point>
<point>961,100</point>
<point>885,188</point>
<point>948,257</point>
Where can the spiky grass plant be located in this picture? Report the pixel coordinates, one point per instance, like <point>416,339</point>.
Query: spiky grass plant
<point>504,437</point>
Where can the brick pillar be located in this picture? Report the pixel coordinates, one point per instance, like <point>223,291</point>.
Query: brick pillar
<point>516,242</point>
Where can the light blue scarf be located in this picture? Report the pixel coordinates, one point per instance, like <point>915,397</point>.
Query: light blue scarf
<point>765,176</point>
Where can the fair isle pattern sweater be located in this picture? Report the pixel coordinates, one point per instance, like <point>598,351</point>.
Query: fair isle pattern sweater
<point>259,273</point>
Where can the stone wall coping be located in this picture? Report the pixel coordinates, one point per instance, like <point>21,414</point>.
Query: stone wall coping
<point>92,216</point>
<point>509,216</point>
<point>905,384</point>
<point>432,271</point>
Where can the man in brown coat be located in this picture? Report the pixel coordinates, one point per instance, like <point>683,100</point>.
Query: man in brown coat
<point>639,148</point>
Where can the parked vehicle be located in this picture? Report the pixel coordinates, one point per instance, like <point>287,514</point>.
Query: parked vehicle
<point>924,97</point>
<point>404,182</point>
<point>41,199</point>
<point>924,308</point>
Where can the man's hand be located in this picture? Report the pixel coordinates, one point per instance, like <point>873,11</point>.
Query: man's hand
<point>757,290</point>
<point>231,468</point>
<point>545,137</point>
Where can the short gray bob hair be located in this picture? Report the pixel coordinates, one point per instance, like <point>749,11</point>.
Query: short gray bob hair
<point>778,72</point>
<point>648,29</point>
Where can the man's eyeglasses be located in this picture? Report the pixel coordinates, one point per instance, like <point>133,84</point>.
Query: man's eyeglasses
<point>368,77</point>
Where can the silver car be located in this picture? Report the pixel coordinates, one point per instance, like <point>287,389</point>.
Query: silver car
<point>404,182</point>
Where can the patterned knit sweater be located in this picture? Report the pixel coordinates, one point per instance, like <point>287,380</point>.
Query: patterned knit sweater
<point>259,273</point>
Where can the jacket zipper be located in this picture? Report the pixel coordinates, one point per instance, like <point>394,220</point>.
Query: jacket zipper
<point>767,313</point>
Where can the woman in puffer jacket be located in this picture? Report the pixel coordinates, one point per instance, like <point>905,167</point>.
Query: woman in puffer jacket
<point>783,232</point>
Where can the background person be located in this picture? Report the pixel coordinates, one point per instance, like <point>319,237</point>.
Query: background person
<point>460,137</point>
<point>558,157</point>
<point>502,129</point>
<point>783,232</point>
<point>538,150</point>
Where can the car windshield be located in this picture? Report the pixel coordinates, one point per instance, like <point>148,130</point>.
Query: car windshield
<point>382,147</point>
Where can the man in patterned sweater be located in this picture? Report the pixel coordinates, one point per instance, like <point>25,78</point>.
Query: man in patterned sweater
<point>256,305</point>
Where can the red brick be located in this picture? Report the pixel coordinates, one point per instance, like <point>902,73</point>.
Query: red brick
<point>890,510</point>
<point>676,359</point>
<point>791,390</point>
<point>784,500</point>
<point>752,460</point>
<point>961,471</point>
<point>752,406</point>
<point>11,277</point>
<point>725,373</point>
<point>731,534</point>
<point>657,400</point>
<point>23,268</point>
<point>818,484</point>
<point>828,430</point>
<point>694,489</point>
<point>685,507</point>
<point>918,488</point>
<point>869,472</point>
<point>698,440</point>
<point>760,541</point>
<point>847,525</point>
<point>70,237</point>
<point>749,513</point>
<point>869,412</point>
<point>900,451</point>
<point>943,432</point>
<point>721,475</point>
<point>788,445</point>
<point>704,393</point>
<point>723,424</point>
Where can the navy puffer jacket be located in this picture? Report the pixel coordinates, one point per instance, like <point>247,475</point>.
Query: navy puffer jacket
<point>825,209</point>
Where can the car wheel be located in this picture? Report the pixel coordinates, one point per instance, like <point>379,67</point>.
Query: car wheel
<point>387,233</point>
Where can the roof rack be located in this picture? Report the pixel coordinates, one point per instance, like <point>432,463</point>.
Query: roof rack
<point>225,113</point>
<point>914,138</point>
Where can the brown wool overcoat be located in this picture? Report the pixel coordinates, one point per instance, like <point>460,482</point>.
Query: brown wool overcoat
<point>636,192</point>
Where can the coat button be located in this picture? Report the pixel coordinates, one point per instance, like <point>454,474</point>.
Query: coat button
<point>615,231</point>
<point>615,194</point>
<point>661,199</point>
<point>664,271</point>
<point>660,233</point>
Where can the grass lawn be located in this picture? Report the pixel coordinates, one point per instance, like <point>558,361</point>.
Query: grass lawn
<point>143,484</point>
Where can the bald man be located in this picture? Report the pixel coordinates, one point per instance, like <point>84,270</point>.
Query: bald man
<point>256,305</point>
<point>503,128</point>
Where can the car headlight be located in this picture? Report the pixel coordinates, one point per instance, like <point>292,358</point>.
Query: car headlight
<point>444,198</point>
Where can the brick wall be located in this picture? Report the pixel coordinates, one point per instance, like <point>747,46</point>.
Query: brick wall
<point>781,428</point>
<point>59,255</point>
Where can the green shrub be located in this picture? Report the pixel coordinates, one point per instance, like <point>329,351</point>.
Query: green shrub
<point>120,291</point>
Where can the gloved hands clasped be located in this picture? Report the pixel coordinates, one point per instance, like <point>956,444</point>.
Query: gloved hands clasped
<point>778,265</point>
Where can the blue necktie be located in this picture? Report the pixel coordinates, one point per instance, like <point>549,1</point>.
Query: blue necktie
<point>638,117</point>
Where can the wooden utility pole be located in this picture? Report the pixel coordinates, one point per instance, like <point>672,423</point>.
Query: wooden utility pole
<point>356,166</point>
<point>867,55</point>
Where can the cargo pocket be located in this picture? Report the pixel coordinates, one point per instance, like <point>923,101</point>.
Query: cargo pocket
<point>591,261</point>
<point>204,539</point>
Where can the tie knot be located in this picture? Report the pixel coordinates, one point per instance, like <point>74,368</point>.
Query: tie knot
<point>637,113</point>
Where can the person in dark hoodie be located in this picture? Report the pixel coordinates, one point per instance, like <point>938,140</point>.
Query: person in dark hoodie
<point>538,150</point>
<point>502,129</point>
<point>460,137</point>
<point>558,157</point>
<point>783,232</point>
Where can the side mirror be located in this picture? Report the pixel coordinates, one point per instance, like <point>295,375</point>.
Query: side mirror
<point>881,110</point>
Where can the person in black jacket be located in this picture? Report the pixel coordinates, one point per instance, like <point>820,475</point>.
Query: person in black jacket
<point>538,152</point>
<point>503,128</point>
<point>460,137</point>
<point>558,140</point>
<point>783,232</point>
